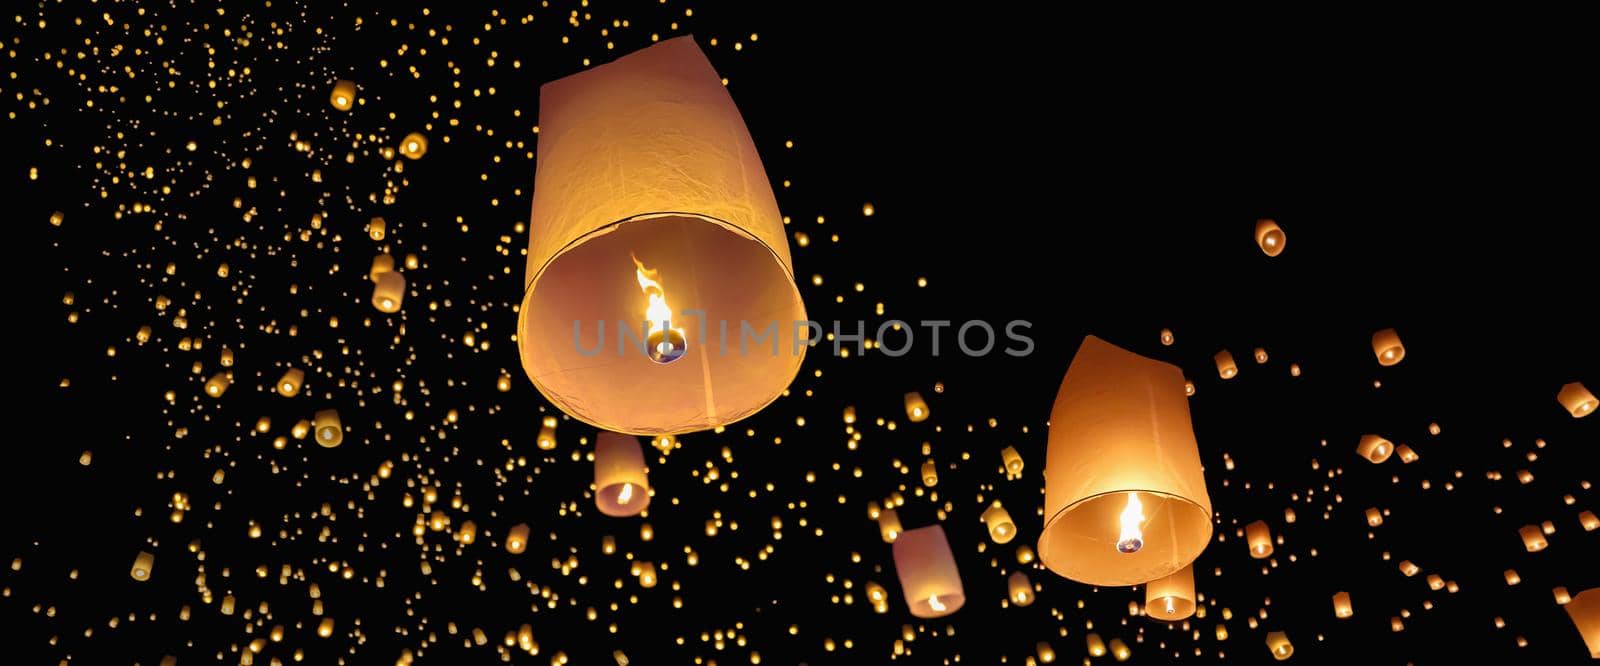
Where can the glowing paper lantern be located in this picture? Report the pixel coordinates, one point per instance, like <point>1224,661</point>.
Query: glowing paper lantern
<point>330,432</point>
<point>1578,400</point>
<point>889,525</point>
<point>1374,517</point>
<point>1261,355</point>
<point>1407,456</point>
<point>1278,643</point>
<point>1408,568</point>
<point>645,168</point>
<point>1225,366</point>
<point>1589,521</point>
<point>1270,237</point>
<point>930,474</point>
<point>1097,647</point>
<point>517,538</point>
<point>1341,605</point>
<point>916,407</point>
<point>1171,598</point>
<point>289,383</point>
<point>1166,337</point>
<point>1019,589</point>
<point>1259,537</point>
<point>1012,460</point>
<point>998,520</point>
<point>1374,448</point>
<point>1386,344</point>
<point>621,487</point>
<point>1561,595</point>
<point>377,228</point>
<point>383,263</point>
<point>343,95</point>
<point>389,291</point>
<point>143,564</point>
<point>1512,577</point>
<point>218,384</point>
<point>1533,538</point>
<point>1113,514</point>
<point>414,146</point>
<point>1584,609</point>
<point>927,571</point>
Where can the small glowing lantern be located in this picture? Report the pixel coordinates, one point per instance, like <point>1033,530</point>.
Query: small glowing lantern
<point>1012,460</point>
<point>1166,337</point>
<point>218,384</point>
<point>1341,605</point>
<point>998,520</point>
<point>1578,400</point>
<point>888,525</point>
<point>1278,643</point>
<point>1112,516</point>
<point>1225,366</point>
<point>930,474</point>
<point>1408,568</point>
<point>1533,538</point>
<point>343,95</point>
<point>329,431</point>
<point>325,628</point>
<point>1259,537</point>
<point>414,146</point>
<point>652,200</point>
<point>289,383</point>
<point>389,291</point>
<point>1020,590</point>
<point>1097,647</point>
<point>1407,456</point>
<point>916,407</point>
<point>1374,448</point>
<point>1374,517</point>
<point>517,538</point>
<point>1171,598</point>
<point>1270,237</point>
<point>621,487</point>
<point>143,563</point>
<point>1435,582</point>
<point>377,229</point>
<point>383,263</point>
<point>1584,609</point>
<point>1386,344</point>
<point>1561,595</point>
<point>927,571</point>
<point>1512,577</point>
<point>1261,355</point>
<point>1589,521</point>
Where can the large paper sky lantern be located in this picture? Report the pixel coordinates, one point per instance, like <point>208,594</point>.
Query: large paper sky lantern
<point>650,202</point>
<point>927,571</point>
<point>1125,498</point>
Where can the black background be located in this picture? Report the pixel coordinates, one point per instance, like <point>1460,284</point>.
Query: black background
<point>1089,174</point>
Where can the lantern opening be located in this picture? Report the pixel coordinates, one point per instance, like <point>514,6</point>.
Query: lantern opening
<point>1132,538</point>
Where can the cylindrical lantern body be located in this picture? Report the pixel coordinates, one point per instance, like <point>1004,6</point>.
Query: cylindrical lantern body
<point>1578,400</point>
<point>930,474</point>
<point>647,160</point>
<point>218,384</point>
<point>1019,589</point>
<point>1409,568</point>
<point>389,291</point>
<point>1171,598</point>
<point>1166,337</point>
<point>329,431</point>
<point>998,520</point>
<point>343,95</point>
<point>1270,237</point>
<point>1374,517</point>
<point>1341,605</point>
<point>143,564</point>
<point>1584,609</point>
<point>888,525</point>
<point>1386,345</point>
<point>1012,460</point>
<point>621,487</point>
<point>1261,355</point>
<point>377,228</point>
<point>1259,537</point>
<point>1406,454</point>
<point>1589,521</point>
<point>1122,451</point>
<point>289,384</point>
<point>916,407</point>
<point>517,538</point>
<point>383,263</point>
<point>414,146</point>
<point>1533,538</point>
<point>1225,365</point>
<point>1374,448</point>
<point>1278,643</point>
<point>927,571</point>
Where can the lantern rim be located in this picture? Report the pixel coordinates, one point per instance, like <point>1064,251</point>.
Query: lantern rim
<point>1061,568</point>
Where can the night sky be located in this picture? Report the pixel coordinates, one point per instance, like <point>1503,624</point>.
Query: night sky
<point>1086,174</point>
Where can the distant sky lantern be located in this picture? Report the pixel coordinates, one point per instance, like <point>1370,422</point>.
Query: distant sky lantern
<point>1259,537</point>
<point>547,438</point>
<point>1584,609</point>
<point>1374,517</point>
<point>849,415</point>
<point>517,538</point>
<point>1270,237</point>
<point>1261,355</point>
<point>1374,448</point>
<point>1578,400</point>
<point>1012,461</point>
<point>1019,588</point>
<point>1294,369</point>
<point>1589,521</point>
<point>621,487</point>
<point>1225,366</point>
<point>1409,568</point>
<point>1278,643</point>
<point>1166,337</point>
<point>998,520</point>
<point>1512,577</point>
<point>1171,598</point>
<point>218,384</point>
<point>329,431</point>
<point>927,571</point>
<point>383,263</point>
<point>143,564</point>
<point>1433,428</point>
<point>343,95</point>
<point>1188,388</point>
<point>645,168</point>
<point>1561,596</point>
<point>377,228</point>
<point>289,383</point>
<point>889,525</point>
<point>1341,605</point>
<point>414,146</point>
<point>1407,456</point>
<point>1096,646</point>
<point>1386,345</point>
<point>1533,538</point>
<point>930,473</point>
<point>916,407</point>
<point>1113,515</point>
<point>389,292</point>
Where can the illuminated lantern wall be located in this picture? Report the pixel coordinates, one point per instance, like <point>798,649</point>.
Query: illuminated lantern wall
<point>621,488</point>
<point>343,95</point>
<point>1386,345</point>
<point>1374,448</point>
<point>330,432</point>
<point>1270,237</point>
<point>648,159</point>
<point>1578,400</point>
<point>927,571</point>
<point>1278,643</point>
<point>1125,498</point>
<point>1259,536</point>
<point>1584,609</point>
<point>1171,598</point>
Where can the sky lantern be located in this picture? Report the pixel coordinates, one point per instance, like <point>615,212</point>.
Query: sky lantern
<point>289,383</point>
<point>1533,538</point>
<point>329,431</point>
<point>1341,605</point>
<point>1386,345</point>
<point>1167,338</point>
<point>1374,448</point>
<point>998,520</point>
<point>1171,598</point>
<point>916,408</point>
<point>389,291</point>
<point>652,212</point>
<point>889,525</point>
<point>1578,400</point>
<point>1019,588</point>
<point>517,538</point>
<point>143,564</point>
<point>414,146</point>
<point>343,95</point>
<point>1278,643</point>
<point>1112,515</point>
<point>1584,609</point>
<point>1226,368</point>
<point>1259,536</point>
<point>1012,460</point>
<point>927,571</point>
<point>620,486</point>
<point>1270,237</point>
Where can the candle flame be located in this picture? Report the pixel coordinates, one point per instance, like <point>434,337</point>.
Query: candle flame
<point>1132,538</point>
<point>625,494</point>
<point>933,602</point>
<point>658,315</point>
<point>1170,608</point>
